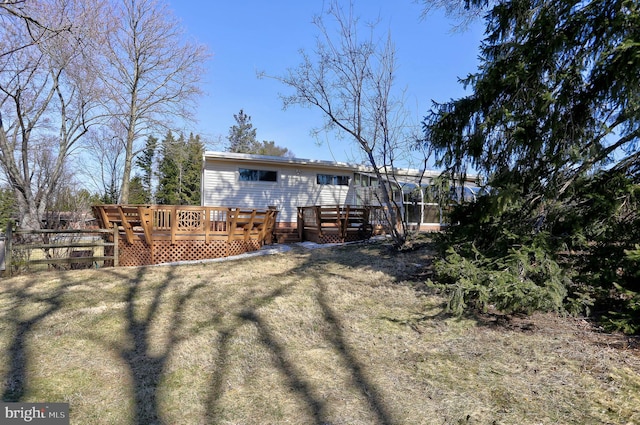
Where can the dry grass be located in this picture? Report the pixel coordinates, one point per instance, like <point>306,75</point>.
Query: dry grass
<point>328,336</point>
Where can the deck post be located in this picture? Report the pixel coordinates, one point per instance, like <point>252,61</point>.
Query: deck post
<point>300,222</point>
<point>174,224</point>
<point>115,245</point>
<point>318,220</point>
<point>207,225</point>
<point>345,223</point>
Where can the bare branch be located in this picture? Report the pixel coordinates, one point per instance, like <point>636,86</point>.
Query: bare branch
<point>350,78</point>
<point>152,72</point>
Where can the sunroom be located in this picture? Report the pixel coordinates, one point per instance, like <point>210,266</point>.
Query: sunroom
<point>418,196</point>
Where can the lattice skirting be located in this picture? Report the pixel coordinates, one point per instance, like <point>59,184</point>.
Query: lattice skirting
<point>140,254</point>
<point>333,237</point>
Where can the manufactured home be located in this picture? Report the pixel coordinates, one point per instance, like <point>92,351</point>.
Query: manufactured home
<point>286,184</point>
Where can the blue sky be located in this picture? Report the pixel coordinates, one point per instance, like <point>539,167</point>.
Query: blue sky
<point>249,36</point>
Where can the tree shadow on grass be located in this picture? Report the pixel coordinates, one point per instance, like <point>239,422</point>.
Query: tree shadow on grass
<point>367,389</point>
<point>248,314</point>
<point>16,381</point>
<point>251,312</point>
<point>147,361</point>
<point>145,368</point>
<point>146,365</point>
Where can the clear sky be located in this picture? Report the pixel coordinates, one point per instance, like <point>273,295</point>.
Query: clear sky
<point>249,36</point>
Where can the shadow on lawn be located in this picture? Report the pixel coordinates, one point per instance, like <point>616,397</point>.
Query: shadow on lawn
<point>147,369</point>
<point>15,384</point>
<point>367,389</point>
<point>295,378</point>
<point>144,303</point>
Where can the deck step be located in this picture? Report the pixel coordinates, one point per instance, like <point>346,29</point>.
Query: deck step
<point>287,235</point>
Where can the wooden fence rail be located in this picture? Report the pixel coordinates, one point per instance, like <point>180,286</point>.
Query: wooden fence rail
<point>65,240</point>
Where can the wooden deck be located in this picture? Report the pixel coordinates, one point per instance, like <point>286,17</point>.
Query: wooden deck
<point>335,223</point>
<point>154,234</point>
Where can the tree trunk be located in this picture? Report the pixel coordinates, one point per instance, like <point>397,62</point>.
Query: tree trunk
<point>30,213</point>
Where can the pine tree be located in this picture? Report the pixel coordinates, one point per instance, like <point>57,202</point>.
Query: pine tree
<point>138,194</point>
<point>271,149</point>
<point>146,164</point>
<point>242,139</point>
<point>553,121</point>
<point>180,170</point>
<point>242,136</point>
<point>169,171</point>
<point>557,97</point>
<point>8,207</point>
<point>192,170</point>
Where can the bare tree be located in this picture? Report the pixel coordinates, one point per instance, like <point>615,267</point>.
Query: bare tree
<point>14,9</point>
<point>463,12</point>
<point>350,79</point>
<point>48,93</point>
<point>104,173</point>
<point>153,75</point>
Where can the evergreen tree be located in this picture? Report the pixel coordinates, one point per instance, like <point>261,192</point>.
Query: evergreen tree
<point>553,121</point>
<point>271,149</point>
<point>169,171</point>
<point>242,139</point>
<point>192,170</point>
<point>8,207</point>
<point>180,170</point>
<point>242,136</point>
<point>146,164</point>
<point>110,195</point>
<point>138,193</point>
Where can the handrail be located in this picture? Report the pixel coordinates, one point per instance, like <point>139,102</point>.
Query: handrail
<point>334,218</point>
<point>179,221</point>
<point>10,246</point>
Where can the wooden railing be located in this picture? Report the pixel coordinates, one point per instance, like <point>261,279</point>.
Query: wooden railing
<point>187,222</point>
<point>59,248</point>
<point>343,221</point>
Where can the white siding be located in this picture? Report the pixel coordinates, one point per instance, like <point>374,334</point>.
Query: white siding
<point>296,187</point>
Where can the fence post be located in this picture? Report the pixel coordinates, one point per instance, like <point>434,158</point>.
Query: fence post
<point>8,249</point>
<point>115,245</point>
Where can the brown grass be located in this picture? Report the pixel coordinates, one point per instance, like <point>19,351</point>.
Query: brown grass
<point>328,336</point>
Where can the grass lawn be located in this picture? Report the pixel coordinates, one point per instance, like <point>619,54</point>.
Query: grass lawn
<point>341,335</point>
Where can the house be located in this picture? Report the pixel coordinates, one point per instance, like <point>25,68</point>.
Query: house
<point>257,181</point>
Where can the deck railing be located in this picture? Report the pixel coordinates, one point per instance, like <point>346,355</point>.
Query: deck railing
<point>177,222</point>
<point>334,223</point>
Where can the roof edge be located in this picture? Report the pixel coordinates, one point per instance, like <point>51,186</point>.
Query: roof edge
<point>313,162</point>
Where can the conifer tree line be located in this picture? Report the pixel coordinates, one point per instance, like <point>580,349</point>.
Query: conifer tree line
<point>169,171</point>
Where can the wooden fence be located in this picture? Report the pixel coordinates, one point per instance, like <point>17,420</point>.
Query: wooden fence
<point>59,248</point>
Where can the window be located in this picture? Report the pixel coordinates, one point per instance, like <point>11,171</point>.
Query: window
<point>412,199</point>
<point>247,175</point>
<point>333,180</point>
<point>365,180</point>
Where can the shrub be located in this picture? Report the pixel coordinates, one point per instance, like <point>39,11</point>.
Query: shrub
<point>523,281</point>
